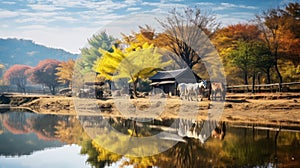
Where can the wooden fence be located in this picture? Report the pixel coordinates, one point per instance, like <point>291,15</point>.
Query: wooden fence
<point>274,87</point>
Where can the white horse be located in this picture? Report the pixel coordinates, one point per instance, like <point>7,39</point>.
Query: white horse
<point>188,90</point>
<point>182,90</point>
<point>192,89</point>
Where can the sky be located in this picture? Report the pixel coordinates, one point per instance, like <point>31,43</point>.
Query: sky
<point>68,24</point>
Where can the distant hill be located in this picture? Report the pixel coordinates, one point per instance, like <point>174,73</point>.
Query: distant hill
<point>20,51</point>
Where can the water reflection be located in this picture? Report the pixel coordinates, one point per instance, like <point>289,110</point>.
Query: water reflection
<point>24,133</point>
<point>225,146</point>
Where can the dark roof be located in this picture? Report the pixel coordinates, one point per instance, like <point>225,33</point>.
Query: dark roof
<point>173,74</point>
<point>94,83</point>
<point>168,74</point>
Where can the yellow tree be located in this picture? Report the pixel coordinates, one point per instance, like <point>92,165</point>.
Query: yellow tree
<point>65,71</point>
<point>133,63</point>
<point>162,40</point>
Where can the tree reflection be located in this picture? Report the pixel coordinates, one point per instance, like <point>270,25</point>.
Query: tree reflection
<point>240,147</point>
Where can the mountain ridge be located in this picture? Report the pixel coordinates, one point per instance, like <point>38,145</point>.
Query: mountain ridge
<point>27,52</point>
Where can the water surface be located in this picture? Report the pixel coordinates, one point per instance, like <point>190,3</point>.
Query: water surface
<point>32,140</point>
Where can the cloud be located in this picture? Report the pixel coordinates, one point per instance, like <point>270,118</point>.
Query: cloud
<point>132,2</point>
<point>132,23</point>
<point>230,5</point>
<point>227,19</point>
<point>7,14</point>
<point>33,19</point>
<point>68,24</point>
<point>69,39</point>
<point>40,7</point>
<point>164,5</point>
<point>65,18</point>
<point>32,27</point>
<point>205,4</point>
<point>133,9</point>
<point>4,26</point>
<point>8,2</point>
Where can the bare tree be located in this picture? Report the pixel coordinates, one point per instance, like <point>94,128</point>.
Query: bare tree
<point>185,29</point>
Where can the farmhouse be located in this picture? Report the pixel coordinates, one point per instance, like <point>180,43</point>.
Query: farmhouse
<point>167,81</point>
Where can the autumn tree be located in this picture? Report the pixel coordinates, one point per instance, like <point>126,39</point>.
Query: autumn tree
<point>1,70</point>
<point>291,42</point>
<point>45,73</point>
<point>291,14</point>
<point>65,72</point>
<point>133,63</point>
<point>18,75</point>
<point>184,31</point>
<point>147,34</point>
<point>235,44</point>
<point>2,82</point>
<point>280,27</point>
<point>271,23</point>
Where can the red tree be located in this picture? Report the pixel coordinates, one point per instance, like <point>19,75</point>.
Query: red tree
<point>18,75</point>
<point>45,73</point>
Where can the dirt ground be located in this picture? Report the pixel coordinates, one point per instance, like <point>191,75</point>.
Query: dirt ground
<point>263,108</point>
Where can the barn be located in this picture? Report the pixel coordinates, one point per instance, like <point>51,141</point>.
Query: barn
<point>167,81</point>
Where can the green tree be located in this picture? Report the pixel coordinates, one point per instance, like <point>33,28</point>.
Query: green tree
<point>134,63</point>
<point>90,53</point>
<point>264,60</point>
<point>243,58</point>
<point>252,57</point>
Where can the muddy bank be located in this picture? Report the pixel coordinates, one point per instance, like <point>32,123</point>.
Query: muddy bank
<point>275,109</point>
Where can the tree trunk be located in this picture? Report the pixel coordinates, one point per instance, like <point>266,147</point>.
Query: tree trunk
<point>245,78</point>
<point>268,76</point>
<point>258,80</point>
<point>253,82</point>
<point>279,76</point>
<point>135,87</point>
<point>52,90</point>
<point>277,69</point>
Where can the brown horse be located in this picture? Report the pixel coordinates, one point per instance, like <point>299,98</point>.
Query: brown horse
<point>215,88</point>
<point>220,131</point>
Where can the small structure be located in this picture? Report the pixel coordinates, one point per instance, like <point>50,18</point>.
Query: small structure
<point>167,81</point>
<point>92,90</point>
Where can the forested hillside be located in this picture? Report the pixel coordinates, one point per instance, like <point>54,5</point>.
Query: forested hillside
<point>20,51</point>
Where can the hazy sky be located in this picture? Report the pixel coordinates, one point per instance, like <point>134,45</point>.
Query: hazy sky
<point>67,24</point>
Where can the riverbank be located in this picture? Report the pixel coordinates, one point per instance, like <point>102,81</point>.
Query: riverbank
<point>266,108</point>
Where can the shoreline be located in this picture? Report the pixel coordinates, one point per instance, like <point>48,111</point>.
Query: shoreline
<point>282,109</point>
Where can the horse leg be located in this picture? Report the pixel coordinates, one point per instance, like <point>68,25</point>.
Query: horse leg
<point>215,95</point>
<point>202,95</point>
<point>196,94</point>
<point>181,95</point>
<point>224,95</point>
<point>202,91</point>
